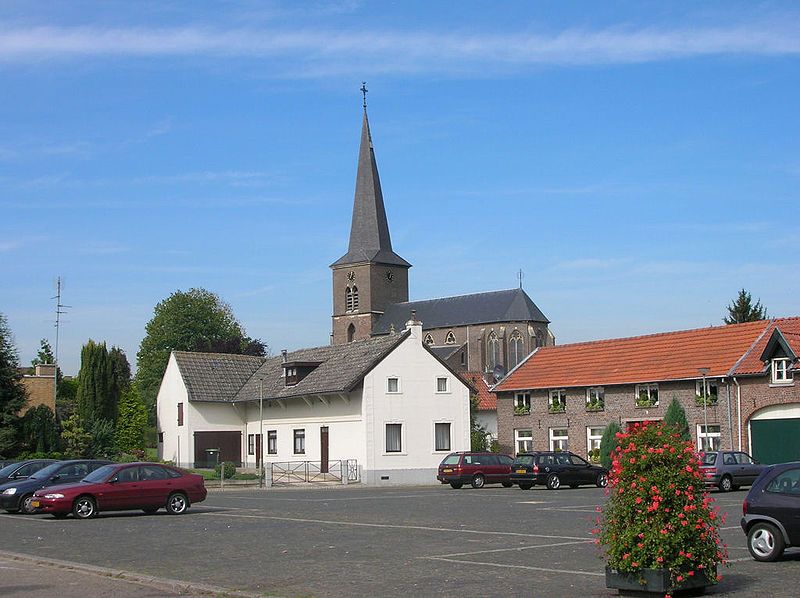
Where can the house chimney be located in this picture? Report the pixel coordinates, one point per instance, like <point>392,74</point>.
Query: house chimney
<point>414,326</point>
<point>284,355</point>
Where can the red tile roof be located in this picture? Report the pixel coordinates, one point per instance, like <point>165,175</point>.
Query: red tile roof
<point>789,327</point>
<point>487,400</point>
<point>651,358</point>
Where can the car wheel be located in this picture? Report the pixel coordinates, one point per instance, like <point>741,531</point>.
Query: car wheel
<point>553,482</point>
<point>478,481</point>
<point>25,504</point>
<point>525,485</point>
<point>456,485</point>
<point>84,507</point>
<point>726,484</point>
<point>150,510</point>
<point>765,542</point>
<point>507,484</point>
<point>177,503</point>
<point>602,480</point>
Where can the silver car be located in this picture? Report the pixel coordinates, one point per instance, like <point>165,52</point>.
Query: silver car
<point>727,470</point>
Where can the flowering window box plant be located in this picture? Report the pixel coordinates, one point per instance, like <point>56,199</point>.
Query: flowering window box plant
<point>659,529</point>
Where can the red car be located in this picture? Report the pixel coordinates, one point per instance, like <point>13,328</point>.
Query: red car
<point>122,487</point>
<point>476,469</point>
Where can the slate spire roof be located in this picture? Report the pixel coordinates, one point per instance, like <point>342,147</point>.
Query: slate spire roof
<point>369,230</point>
<point>511,305</point>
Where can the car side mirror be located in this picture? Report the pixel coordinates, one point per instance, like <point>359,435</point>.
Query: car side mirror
<point>113,481</point>
<point>55,477</point>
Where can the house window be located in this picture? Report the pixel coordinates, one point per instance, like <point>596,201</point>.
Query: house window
<point>523,440</point>
<point>647,395</point>
<point>393,385</point>
<point>351,333</point>
<point>712,387</point>
<point>272,442</point>
<point>450,339</point>
<point>593,437</point>
<point>442,433</point>
<point>180,414</point>
<point>559,439</point>
<point>595,398</point>
<point>394,438</point>
<point>492,352</point>
<point>558,401</point>
<point>781,372</point>
<point>708,437</point>
<point>516,349</point>
<point>251,444</point>
<point>428,339</point>
<point>161,437</point>
<point>442,384</point>
<point>522,403</point>
<point>300,442</point>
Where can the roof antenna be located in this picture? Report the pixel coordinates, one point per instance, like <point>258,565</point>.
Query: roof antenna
<point>520,275</point>
<point>364,93</point>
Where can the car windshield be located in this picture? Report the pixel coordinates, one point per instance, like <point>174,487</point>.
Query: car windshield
<point>524,460</point>
<point>709,458</point>
<point>4,473</point>
<point>451,460</point>
<point>100,474</point>
<point>48,471</point>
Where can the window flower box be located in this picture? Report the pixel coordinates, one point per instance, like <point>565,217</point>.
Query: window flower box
<point>595,406</point>
<point>557,409</point>
<point>522,410</point>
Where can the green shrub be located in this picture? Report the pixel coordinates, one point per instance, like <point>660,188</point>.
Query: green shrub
<point>675,418</point>
<point>230,469</point>
<point>608,443</point>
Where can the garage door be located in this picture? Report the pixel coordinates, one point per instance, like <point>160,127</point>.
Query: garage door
<point>228,443</point>
<point>775,437</point>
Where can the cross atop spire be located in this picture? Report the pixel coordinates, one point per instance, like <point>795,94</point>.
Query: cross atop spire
<point>364,93</point>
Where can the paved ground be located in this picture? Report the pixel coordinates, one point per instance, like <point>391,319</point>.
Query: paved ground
<point>366,541</point>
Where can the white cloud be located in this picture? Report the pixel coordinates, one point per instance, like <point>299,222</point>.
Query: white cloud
<point>324,52</point>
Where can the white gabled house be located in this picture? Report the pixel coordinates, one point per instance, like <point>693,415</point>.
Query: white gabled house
<point>387,402</point>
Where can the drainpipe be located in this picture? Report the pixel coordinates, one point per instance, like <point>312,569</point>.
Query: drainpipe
<point>730,422</point>
<point>739,413</point>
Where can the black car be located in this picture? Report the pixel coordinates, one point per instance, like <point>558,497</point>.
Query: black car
<point>16,495</point>
<point>555,469</point>
<point>22,469</point>
<point>771,512</point>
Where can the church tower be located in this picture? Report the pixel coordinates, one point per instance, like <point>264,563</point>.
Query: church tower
<point>370,276</point>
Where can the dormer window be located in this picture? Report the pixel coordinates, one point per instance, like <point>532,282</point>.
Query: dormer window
<point>295,371</point>
<point>781,371</point>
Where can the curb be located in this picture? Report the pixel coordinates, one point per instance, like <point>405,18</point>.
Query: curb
<point>175,586</point>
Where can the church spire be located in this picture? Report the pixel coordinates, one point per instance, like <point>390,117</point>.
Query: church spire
<point>369,230</point>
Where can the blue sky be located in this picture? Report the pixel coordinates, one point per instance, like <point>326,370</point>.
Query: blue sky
<point>639,161</point>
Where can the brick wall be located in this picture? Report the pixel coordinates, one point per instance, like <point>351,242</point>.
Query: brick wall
<point>40,392</point>
<point>757,393</point>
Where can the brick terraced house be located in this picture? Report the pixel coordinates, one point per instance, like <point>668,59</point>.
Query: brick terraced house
<point>561,397</point>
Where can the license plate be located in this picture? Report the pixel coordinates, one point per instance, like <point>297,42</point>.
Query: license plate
<point>447,471</point>
<point>520,471</point>
<point>36,504</point>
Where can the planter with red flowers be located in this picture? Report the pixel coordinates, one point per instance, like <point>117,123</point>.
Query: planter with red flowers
<point>659,529</point>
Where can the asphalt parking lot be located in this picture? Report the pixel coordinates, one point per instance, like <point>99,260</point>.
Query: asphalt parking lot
<point>348,541</point>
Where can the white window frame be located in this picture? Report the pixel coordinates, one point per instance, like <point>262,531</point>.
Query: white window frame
<point>526,440</point>
<point>559,439</point>
<point>599,394</point>
<point>446,385</point>
<point>399,387</point>
<point>702,436</point>
<point>522,399</point>
<point>294,441</point>
<point>557,393</point>
<point>593,440</point>
<point>781,371</point>
<point>271,452</point>
<point>649,387</point>
<point>402,450</point>
<point>449,437</point>
<point>710,383</point>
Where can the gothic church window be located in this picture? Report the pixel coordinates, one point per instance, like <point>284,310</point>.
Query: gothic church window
<point>351,333</point>
<point>428,339</point>
<point>355,298</point>
<point>516,349</point>
<point>492,352</point>
<point>348,299</point>
<point>451,338</point>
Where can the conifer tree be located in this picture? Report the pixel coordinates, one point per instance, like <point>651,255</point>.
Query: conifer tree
<point>608,442</point>
<point>742,310</point>
<point>675,417</point>
<point>12,393</point>
<point>132,422</point>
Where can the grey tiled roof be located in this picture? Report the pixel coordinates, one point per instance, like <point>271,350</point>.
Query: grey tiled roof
<point>369,230</point>
<point>226,378</point>
<point>511,305</point>
<point>215,376</point>
<point>446,352</point>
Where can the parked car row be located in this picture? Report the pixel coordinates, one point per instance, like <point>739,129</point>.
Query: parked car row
<point>550,468</point>
<point>85,487</point>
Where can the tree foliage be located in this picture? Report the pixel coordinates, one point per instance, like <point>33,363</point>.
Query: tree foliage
<point>675,418</point>
<point>132,422</point>
<point>74,438</point>
<point>477,433</point>
<point>608,442</point>
<point>66,399</point>
<point>194,320</point>
<point>40,430</point>
<point>101,445</point>
<point>102,378</point>
<point>742,309</point>
<point>12,393</point>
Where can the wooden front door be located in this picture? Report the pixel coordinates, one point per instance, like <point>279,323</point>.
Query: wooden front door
<point>323,451</point>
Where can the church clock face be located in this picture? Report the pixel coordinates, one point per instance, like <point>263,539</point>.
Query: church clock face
<point>351,276</point>
<point>389,276</point>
